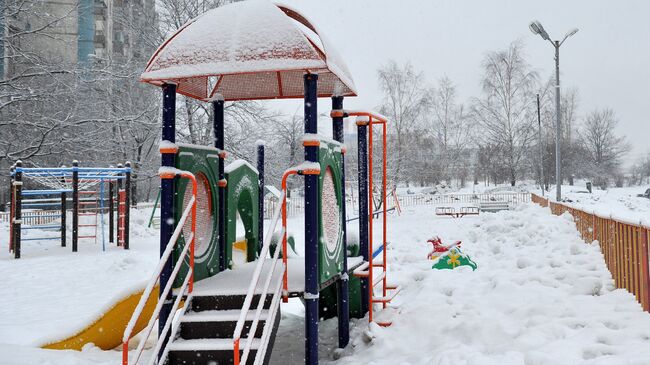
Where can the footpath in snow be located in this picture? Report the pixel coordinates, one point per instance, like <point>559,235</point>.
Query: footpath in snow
<point>540,296</point>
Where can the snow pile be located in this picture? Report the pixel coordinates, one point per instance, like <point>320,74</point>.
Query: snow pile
<point>540,296</point>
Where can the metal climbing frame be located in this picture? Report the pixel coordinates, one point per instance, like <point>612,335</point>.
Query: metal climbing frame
<point>367,270</point>
<point>61,181</point>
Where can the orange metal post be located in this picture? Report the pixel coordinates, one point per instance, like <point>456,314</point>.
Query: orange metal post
<point>385,208</point>
<point>285,279</point>
<point>370,211</point>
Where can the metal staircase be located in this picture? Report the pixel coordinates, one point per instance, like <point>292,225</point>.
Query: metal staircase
<point>206,330</point>
<point>211,327</point>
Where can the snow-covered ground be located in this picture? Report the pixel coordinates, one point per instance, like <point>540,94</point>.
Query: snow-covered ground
<point>539,296</point>
<point>620,203</point>
<point>51,293</point>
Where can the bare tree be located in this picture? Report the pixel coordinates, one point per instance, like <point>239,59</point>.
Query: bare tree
<point>603,148</point>
<point>505,111</point>
<point>451,129</point>
<point>405,101</point>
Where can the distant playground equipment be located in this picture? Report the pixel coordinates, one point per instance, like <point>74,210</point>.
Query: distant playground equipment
<point>453,212</point>
<point>448,256</point>
<point>90,191</point>
<point>231,316</point>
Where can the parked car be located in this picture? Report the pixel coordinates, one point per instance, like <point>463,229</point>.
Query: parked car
<point>645,195</point>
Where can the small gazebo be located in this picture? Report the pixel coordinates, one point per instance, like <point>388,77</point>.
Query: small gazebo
<point>251,50</point>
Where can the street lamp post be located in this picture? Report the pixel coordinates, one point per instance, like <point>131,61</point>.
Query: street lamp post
<point>537,28</point>
<point>541,149</point>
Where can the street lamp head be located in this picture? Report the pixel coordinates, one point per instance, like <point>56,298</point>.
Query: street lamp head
<point>537,28</point>
<point>571,32</point>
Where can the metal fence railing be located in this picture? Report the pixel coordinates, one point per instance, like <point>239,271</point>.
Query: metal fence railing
<point>441,199</point>
<point>295,205</point>
<point>624,246</point>
<point>33,218</point>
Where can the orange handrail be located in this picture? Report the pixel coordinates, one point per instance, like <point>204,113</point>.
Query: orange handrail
<point>373,119</point>
<point>285,176</point>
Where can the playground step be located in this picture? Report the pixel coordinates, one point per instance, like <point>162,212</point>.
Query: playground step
<point>205,336</point>
<point>208,302</point>
<point>218,324</point>
<point>206,351</point>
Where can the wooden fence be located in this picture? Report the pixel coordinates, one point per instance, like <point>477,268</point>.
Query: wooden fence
<point>624,246</point>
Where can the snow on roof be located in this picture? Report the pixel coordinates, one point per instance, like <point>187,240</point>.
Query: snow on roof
<point>273,190</point>
<point>237,164</point>
<point>248,50</point>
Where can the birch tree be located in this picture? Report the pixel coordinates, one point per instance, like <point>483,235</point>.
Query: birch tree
<point>505,110</point>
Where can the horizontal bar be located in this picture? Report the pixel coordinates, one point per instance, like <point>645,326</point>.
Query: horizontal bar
<point>40,239</point>
<point>70,169</point>
<point>40,204</point>
<point>45,192</point>
<point>41,227</point>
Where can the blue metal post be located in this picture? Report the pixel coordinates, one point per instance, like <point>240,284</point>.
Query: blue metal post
<point>127,204</point>
<point>63,218</point>
<point>167,223</point>
<point>362,138</point>
<point>260,170</point>
<point>75,205</point>
<point>343,304</point>
<point>18,210</point>
<point>101,209</point>
<point>218,127</point>
<point>311,226</point>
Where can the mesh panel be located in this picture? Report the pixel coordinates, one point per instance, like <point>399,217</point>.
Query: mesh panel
<point>249,86</point>
<point>196,87</point>
<point>330,211</point>
<point>204,215</point>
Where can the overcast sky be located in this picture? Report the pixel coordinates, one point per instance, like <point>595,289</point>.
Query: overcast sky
<point>608,60</point>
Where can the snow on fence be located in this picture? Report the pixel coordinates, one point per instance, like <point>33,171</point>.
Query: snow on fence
<point>624,246</point>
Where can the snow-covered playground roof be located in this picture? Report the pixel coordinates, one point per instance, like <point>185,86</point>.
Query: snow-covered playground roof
<point>248,50</point>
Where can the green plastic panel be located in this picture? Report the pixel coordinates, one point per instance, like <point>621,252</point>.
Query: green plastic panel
<point>203,163</point>
<point>242,193</point>
<point>330,253</point>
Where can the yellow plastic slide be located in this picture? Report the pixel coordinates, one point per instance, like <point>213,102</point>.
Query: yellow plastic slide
<point>107,331</point>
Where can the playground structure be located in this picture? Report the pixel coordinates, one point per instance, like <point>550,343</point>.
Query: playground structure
<point>232,315</point>
<point>84,188</point>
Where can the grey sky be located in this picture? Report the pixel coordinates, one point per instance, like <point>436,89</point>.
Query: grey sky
<point>608,61</point>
